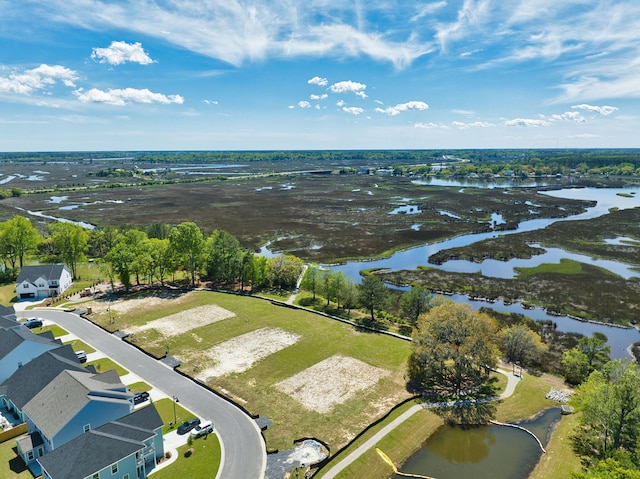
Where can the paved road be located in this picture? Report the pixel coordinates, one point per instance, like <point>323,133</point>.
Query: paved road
<point>244,454</point>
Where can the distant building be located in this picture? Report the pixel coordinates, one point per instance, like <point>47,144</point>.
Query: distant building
<point>43,281</point>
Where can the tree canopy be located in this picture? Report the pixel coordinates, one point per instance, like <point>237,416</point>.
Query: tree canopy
<point>453,350</point>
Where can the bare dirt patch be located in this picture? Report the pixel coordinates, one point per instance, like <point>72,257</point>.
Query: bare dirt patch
<point>184,321</point>
<point>240,353</point>
<point>128,305</point>
<point>331,382</point>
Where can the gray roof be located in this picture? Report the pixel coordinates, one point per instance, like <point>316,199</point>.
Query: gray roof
<point>6,313</point>
<point>87,454</point>
<point>108,444</point>
<point>68,393</point>
<point>46,271</point>
<point>10,339</point>
<point>31,378</point>
<point>30,441</point>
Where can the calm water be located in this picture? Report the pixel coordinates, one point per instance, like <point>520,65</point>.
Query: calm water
<point>607,198</point>
<point>487,452</point>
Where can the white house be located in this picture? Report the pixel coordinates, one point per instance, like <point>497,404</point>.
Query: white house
<point>42,281</point>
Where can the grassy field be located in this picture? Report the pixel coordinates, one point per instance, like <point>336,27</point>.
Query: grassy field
<point>79,345</point>
<point>172,414</point>
<point>105,364</point>
<point>319,338</point>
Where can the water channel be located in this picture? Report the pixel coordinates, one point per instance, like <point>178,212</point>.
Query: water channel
<point>484,452</point>
<point>607,198</point>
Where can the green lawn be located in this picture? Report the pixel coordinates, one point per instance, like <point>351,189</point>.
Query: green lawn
<point>79,345</point>
<point>105,364</point>
<point>203,462</point>
<point>319,338</point>
<point>11,465</point>
<point>139,387</point>
<point>54,328</point>
<point>8,294</point>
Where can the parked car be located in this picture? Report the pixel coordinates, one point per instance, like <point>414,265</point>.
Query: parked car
<point>188,425</point>
<point>82,356</point>
<point>33,323</point>
<point>202,429</point>
<point>139,398</point>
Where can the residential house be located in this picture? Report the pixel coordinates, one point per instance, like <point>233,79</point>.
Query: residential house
<point>19,345</point>
<point>73,403</point>
<point>43,281</point>
<point>127,448</point>
<point>27,381</point>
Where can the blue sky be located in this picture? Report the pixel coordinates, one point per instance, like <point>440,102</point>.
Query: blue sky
<point>318,74</point>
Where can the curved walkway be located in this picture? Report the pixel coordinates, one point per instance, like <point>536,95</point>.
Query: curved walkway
<point>512,381</point>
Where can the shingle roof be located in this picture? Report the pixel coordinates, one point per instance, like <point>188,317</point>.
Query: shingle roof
<point>108,444</point>
<point>7,313</point>
<point>47,271</point>
<point>12,338</point>
<point>31,378</point>
<point>61,400</point>
<point>87,454</point>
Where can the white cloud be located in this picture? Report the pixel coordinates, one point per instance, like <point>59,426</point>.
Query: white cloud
<point>431,125</point>
<point>354,110</point>
<point>526,122</point>
<point>476,124</point>
<point>318,97</point>
<point>569,116</point>
<point>603,110</point>
<point>26,82</point>
<point>304,104</point>
<point>463,112</point>
<point>348,86</point>
<point>122,52</point>
<point>120,97</point>
<point>318,81</point>
<point>396,110</point>
<point>340,103</point>
<point>210,102</point>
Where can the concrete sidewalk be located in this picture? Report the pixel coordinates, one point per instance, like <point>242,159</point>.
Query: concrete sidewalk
<point>512,382</point>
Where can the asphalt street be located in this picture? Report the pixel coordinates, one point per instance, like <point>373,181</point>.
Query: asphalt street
<point>244,454</point>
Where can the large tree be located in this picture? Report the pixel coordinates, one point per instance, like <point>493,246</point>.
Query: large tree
<point>610,404</point>
<point>589,355</point>
<point>71,242</point>
<point>415,302</point>
<point>520,344</point>
<point>453,350</point>
<point>188,242</point>
<point>22,236</point>
<point>373,295</point>
<point>223,257</point>
<point>284,270</point>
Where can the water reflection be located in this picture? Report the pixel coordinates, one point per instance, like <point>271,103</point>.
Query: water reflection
<point>485,452</point>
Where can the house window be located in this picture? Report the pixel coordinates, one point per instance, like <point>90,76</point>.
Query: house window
<point>126,476</point>
<point>25,286</point>
<point>30,456</point>
<point>93,476</point>
<point>114,468</point>
<point>87,427</point>
<point>40,452</point>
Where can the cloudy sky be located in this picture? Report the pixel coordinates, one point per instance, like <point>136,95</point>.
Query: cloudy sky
<point>318,74</point>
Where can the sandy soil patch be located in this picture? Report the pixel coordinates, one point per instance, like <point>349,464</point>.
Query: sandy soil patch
<point>331,382</point>
<point>126,306</point>
<point>240,353</point>
<point>184,321</point>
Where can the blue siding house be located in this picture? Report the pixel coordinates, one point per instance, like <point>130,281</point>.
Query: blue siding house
<point>128,448</point>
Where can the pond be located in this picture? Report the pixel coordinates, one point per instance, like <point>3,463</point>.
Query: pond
<point>483,452</point>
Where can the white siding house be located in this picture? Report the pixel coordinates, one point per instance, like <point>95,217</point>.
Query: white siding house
<point>43,281</point>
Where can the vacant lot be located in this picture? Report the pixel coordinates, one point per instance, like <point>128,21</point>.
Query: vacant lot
<point>262,347</point>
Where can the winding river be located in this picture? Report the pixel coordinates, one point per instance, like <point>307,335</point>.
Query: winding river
<point>621,198</point>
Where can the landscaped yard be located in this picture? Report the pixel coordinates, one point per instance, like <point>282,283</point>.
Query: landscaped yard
<point>204,461</point>
<point>11,465</point>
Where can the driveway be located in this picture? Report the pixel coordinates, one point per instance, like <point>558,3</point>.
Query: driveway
<point>243,449</point>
